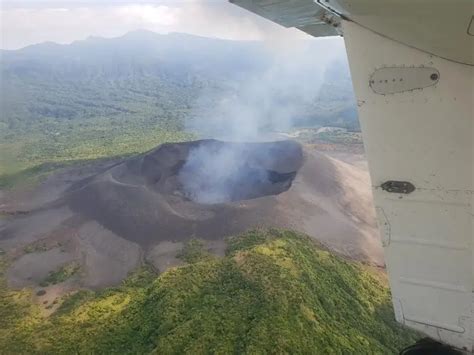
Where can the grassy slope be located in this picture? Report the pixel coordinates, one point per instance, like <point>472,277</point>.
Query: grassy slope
<point>274,292</point>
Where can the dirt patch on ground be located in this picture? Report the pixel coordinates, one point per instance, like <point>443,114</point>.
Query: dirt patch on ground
<point>106,258</point>
<point>32,268</point>
<point>163,255</point>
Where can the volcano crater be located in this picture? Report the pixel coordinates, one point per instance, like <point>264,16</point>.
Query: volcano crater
<point>182,189</point>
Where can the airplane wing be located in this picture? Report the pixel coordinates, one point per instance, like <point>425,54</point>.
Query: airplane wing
<point>412,69</point>
<point>304,15</point>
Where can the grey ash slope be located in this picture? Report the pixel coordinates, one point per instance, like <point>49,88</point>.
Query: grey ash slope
<point>113,217</point>
<point>147,199</point>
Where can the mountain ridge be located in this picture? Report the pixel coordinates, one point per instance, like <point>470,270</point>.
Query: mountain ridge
<point>109,89</point>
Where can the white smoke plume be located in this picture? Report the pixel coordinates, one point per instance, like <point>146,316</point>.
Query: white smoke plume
<point>262,102</point>
<point>269,100</point>
<point>219,172</point>
<point>211,170</point>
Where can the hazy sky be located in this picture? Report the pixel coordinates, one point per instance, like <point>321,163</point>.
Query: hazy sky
<point>27,22</point>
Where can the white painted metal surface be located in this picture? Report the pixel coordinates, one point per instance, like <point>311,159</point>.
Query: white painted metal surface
<point>418,130</point>
<point>424,137</point>
<point>398,79</point>
<point>440,27</point>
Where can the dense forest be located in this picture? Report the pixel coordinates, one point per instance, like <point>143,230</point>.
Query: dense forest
<point>112,97</point>
<point>273,292</point>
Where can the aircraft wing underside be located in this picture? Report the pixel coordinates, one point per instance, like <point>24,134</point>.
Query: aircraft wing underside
<point>304,15</point>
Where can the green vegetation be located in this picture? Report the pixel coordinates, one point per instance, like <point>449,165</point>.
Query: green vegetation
<point>30,154</point>
<point>49,121</point>
<point>39,247</point>
<point>60,275</point>
<point>16,311</point>
<point>35,247</point>
<point>193,251</point>
<point>340,137</point>
<point>104,98</point>
<point>332,134</point>
<point>274,292</point>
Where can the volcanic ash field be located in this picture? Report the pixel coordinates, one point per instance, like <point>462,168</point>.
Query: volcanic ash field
<point>109,217</point>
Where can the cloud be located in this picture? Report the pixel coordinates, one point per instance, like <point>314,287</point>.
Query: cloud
<point>28,22</point>
<point>148,14</point>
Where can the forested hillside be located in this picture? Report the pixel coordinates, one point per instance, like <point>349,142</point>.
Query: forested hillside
<point>273,292</point>
<point>142,73</point>
<point>152,75</point>
<point>105,97</point>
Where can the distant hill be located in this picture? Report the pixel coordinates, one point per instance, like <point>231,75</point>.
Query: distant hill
<point>138,53</point>
<point>142,74</point>
<point>113,96</point>
<point>159,78</point>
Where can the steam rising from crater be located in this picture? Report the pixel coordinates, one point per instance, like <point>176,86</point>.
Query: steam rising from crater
<point>259,103</point>
<point>219,172</point>
<point>274,97</point>
<point>269,99</point>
